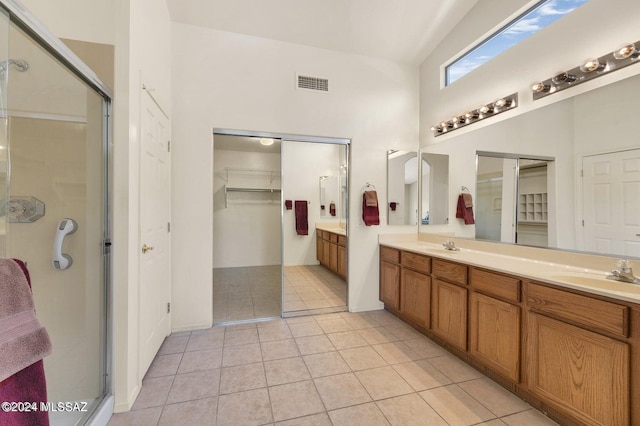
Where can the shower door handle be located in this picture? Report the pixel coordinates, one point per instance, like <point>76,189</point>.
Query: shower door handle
<point>62,260</point>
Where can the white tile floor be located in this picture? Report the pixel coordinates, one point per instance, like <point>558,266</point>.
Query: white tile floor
<point>336,369</point>
<point>247,293</point>
<point>313,289</point>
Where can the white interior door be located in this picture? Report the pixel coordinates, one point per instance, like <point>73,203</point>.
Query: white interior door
<point>611,185</point>
<point>154,245</point>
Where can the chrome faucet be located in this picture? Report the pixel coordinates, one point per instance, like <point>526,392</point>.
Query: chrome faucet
<point>624,273</point>
<point>450,245</point>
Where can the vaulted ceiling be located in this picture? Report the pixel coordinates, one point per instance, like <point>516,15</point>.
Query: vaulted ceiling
<point>403,31</point>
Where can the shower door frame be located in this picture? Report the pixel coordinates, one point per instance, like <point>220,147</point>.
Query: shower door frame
<point>37,31</point>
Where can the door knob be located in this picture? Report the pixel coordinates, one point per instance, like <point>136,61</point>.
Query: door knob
<point>146,248</point>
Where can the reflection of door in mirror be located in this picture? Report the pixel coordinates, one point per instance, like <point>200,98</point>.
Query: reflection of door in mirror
<point>315,262</point>
<point>611,194</point>
<point>495,192</point>
<point>435,189</point>
<point>402,188</point>
<point>512,202</point>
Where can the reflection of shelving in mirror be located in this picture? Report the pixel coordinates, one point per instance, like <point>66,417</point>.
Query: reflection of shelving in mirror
<point>251,186</point>
<point>533,208</point>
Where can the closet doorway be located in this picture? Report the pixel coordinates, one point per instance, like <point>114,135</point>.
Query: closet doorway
<point>276,198</point>
<point>247,247</point>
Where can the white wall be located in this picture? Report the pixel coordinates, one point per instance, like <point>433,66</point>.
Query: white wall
<point>243,82</point>
<point>302,165</point>
<point>536,58</point>
<point>247,227</point>
<point>87,20</point>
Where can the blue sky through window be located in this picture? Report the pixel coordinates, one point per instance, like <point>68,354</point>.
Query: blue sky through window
<point>531,22</point>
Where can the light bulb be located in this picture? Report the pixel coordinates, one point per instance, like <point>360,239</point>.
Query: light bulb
<point>563,77</point>
<point>486,109</point>
<point>540,87</point>
<point>591,65</point>
<point>625,51</point>
<point>266,141</point>
<point>472,115</point>
<point>504,103</point>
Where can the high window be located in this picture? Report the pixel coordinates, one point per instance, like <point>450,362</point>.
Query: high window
<point>533,20</point>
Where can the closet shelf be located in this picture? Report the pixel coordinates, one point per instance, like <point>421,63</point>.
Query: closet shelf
<point>256,173</point>
<point>229,189</point>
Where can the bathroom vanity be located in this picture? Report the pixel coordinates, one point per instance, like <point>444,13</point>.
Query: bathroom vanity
<point>331,248</point>
<point>561,337</point>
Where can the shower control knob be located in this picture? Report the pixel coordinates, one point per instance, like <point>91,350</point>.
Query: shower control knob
<point>146,248</point>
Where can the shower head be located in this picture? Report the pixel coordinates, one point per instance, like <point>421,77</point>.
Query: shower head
<point>19,64</point>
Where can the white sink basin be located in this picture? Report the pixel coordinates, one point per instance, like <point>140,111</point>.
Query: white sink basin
<point>595,281</point>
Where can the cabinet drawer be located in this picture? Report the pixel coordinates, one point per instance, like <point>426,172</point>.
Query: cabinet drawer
<point>333,238</point>
<point>449,271</point>
<point>342,240</point>
<point>319,233</point>
<point>326,235</point>
<point>416,262</point>
<point>389,254</point>
<point>597,314</point>
<point>502,286</point>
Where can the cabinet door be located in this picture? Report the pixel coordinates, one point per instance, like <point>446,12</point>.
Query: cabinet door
<point>449,308</point>
<point>326,252</point>
<point>390,284</point>
<point>342,261</point>
<point>333,257</point>
<point>415,291</point>
<point>583,373</point>
<point>319,246</point>
<point>494,334</point>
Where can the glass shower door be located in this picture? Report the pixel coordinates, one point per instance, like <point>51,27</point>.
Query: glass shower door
<point>53,166</point>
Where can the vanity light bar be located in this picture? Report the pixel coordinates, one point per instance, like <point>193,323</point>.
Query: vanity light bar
<point>624,55</point>
<point>483,111</point>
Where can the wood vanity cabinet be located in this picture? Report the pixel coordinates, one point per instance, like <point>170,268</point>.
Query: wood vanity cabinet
<point>415,288</point>
<point>331,251</point>
<point>342,256</point>
<point>319,247</point>
<point>571,354</point>
<point>390,277</point>
<point>577,356</point>
<point>449,302</point>
<point>495,321</point>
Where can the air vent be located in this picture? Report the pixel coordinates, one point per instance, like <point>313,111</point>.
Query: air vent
<point>313,83</point>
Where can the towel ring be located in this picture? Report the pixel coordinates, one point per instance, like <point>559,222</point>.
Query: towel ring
<point>369,185</point>
<point>464,188</point>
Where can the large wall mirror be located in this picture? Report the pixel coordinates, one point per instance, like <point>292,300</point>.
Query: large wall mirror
<point>434,205</point>
<point>512,199</point>
<point>402,188</point>
<point>592,197</point>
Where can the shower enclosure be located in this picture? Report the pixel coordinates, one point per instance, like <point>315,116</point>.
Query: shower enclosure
<point>54,203</point>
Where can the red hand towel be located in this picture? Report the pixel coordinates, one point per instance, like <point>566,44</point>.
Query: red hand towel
<point>393,206</point>
<point>287,204</point>
<point>332,209</point>
<point>370,214</point>
<point>28,384</point>
<point>464,212</point>
<point>302,223</point>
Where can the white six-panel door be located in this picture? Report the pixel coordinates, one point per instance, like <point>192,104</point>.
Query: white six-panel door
<point>154,249</point>
<point>611,185</point>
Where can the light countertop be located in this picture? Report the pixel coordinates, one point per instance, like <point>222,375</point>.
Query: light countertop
<point>584,279</point>
<point>331,227</point>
